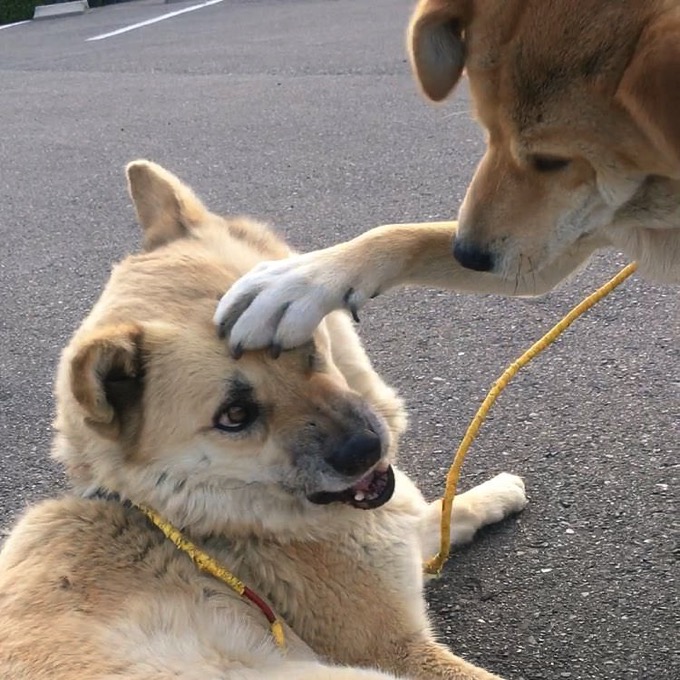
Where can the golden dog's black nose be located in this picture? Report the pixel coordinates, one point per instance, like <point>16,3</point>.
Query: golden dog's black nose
<point>472,257</point>
<point>358,454</point>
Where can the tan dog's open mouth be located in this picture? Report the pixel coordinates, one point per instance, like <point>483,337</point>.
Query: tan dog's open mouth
<point>374,489</point>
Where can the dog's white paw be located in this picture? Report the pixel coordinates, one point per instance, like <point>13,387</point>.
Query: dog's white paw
<point>279,304</point>
<point>499,497</point>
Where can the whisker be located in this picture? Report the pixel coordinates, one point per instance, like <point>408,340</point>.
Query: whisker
<point>454,114</point>
<point>533,274</point>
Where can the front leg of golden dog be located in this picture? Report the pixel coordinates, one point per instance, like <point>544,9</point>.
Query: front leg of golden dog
<point>280,303</point>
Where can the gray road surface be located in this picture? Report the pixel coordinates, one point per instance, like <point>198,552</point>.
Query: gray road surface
<point>303,112</point>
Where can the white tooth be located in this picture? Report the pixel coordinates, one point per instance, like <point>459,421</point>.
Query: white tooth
<point>359,496</point>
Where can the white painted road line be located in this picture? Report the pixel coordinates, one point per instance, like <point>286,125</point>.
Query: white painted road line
<point>148,22</point>
<point>16,23</point>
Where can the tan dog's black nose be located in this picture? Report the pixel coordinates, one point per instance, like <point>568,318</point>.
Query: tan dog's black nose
<point>358,454</point>
<point>472,257</point>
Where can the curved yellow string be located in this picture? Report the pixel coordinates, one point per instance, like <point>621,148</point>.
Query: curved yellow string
<point>434,565</point>
<point>209,564</point>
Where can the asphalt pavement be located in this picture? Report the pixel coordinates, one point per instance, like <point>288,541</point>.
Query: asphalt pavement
<point>304,113</point>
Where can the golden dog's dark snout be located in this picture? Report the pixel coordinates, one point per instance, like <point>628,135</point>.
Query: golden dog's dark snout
<point>357,454</point>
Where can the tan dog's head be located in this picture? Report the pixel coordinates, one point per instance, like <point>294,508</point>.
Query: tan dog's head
<point>580,100</point>
<point>151,405</point>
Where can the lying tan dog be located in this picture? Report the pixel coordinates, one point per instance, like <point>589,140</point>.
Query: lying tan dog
<point>581,104</point>
<point>282,470</point>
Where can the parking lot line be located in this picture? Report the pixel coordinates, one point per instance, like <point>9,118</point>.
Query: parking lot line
<point>148,22</point>
<point>16,23</point>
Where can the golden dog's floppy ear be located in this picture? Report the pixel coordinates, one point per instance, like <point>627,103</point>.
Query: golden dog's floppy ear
<point>436,44</point>
<point>650,87</point>
<point>107,379</point>
<point>166,208</point>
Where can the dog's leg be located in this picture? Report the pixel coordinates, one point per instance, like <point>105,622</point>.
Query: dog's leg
<point>484,504</point>
<point>428,660</point>
<point>314,671</point>
<point>281,303</point>
<point>423,660</point>
<point>286,671</point>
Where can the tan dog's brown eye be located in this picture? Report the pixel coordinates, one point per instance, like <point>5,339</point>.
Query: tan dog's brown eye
<point>235,417</point>
<point>548,163</point>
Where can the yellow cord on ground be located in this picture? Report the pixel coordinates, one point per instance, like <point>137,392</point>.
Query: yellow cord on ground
<point>434,565</point>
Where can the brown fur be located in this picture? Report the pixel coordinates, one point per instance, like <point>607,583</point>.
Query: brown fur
<point>580,103</point>
<point>596,84</point>
<point>89,589</point>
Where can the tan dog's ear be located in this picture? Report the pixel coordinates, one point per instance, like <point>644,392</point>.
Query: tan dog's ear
<point>436,45</point>
<point>107,380</point>
<point>166,208</point>
<point>650,87</point>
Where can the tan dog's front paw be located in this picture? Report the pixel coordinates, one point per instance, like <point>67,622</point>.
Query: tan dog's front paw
<point>489,502</point>
<point>497,498</point>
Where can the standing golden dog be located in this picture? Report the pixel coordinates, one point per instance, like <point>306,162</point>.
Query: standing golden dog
<point>282,470</point>
<point>580,100</point>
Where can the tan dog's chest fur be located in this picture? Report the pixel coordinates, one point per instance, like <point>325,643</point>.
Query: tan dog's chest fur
<point>82,549</point>
<point>280,469</point>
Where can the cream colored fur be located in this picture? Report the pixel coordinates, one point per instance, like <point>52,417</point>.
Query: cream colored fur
<point>580,103</point>
<point>90,590</point>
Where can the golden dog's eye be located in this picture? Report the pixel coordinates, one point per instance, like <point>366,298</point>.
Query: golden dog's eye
<point>548,163</point>
<point>235,417</point>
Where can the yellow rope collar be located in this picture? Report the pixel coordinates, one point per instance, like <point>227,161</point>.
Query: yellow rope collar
<point>205,562</point>
<point>434,565</point>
